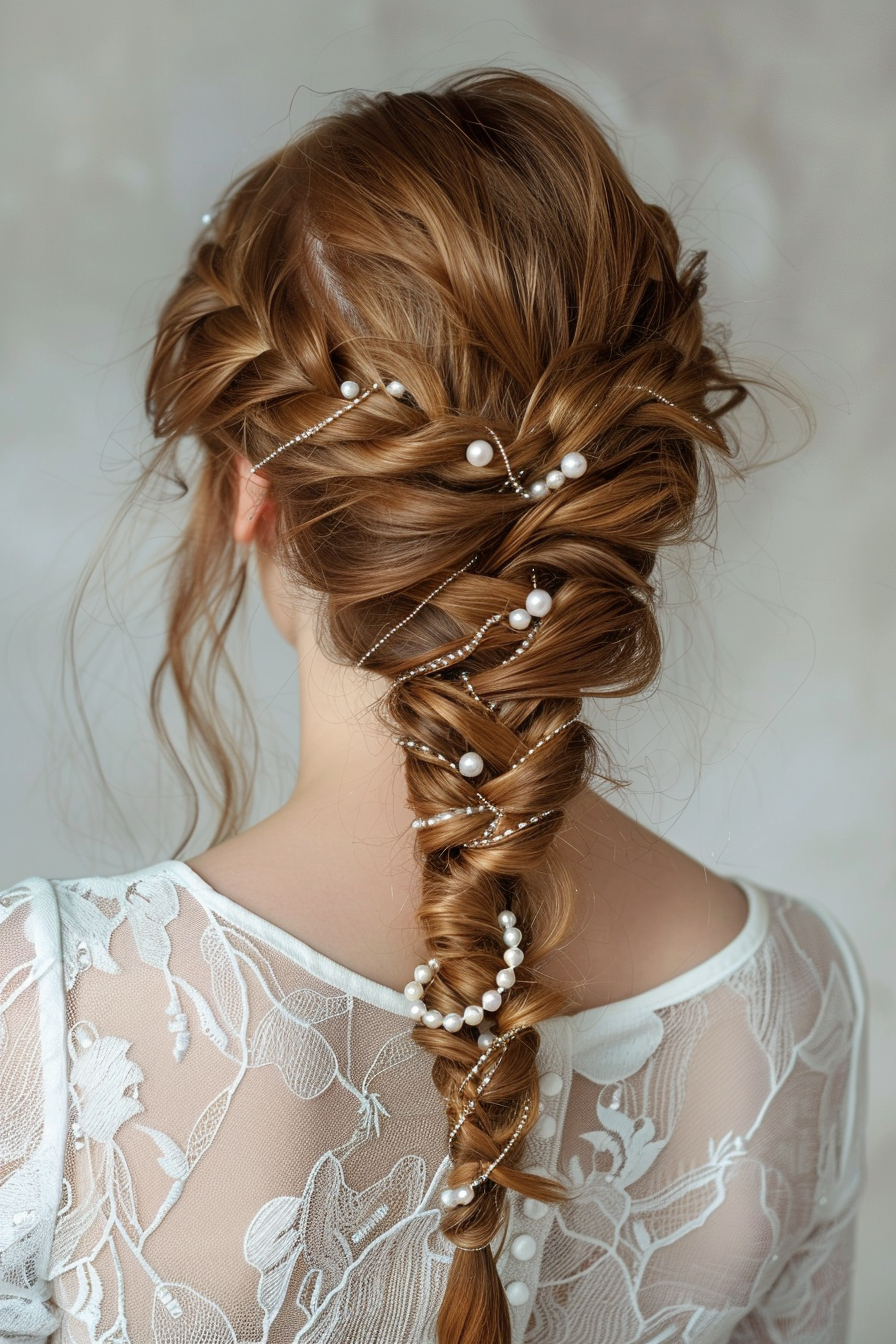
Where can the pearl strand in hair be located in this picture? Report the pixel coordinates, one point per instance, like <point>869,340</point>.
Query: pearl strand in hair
<point>491,1000</point>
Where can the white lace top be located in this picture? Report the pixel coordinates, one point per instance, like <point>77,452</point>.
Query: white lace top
<point>210,1133</point>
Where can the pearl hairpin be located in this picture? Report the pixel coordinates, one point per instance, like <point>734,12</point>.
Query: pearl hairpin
<point>480,453</point>
<point>353,394</point>
<point>486,806</point>
<point>538,603</point>
<point>491,1000</point>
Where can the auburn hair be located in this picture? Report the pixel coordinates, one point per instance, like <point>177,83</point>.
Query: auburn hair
<point>481,243</point>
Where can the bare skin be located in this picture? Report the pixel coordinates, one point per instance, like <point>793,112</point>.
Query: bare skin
<point>335,868</point>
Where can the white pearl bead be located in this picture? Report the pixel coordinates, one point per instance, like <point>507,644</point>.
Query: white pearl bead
<point>523,1247</point>
<point>485,1040</point>
<point>491,1000</point>
<point>506,919</point>
<point>448,1199</point>
<point>453,1022</point>
<point>534,1208</point>
<point>538,489</point>
<point>513,957</point>
<point>554,479</point>
<point>395,388</point>
<point>418,1011</point>
<point>349,389</point>
<point>479,453</point>
<point>519,619</point>
<point>473,1015</point>
<point>505,979</point>
<point>517,1293</point>
<point>573,465</point>
<point>413,991</point>
<point>206,219</point>
<point>423,974</point>
<point>464,1194</point>
<point>512,937</point>
<point>433,1018</point>
<point>471,764</point>
<point>550,1084</point>
<point>538,602</point>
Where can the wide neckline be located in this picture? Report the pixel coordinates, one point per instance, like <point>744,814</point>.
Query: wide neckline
<point>699,979</point>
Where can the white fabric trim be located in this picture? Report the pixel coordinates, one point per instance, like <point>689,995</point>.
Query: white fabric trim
<point>687,986</point>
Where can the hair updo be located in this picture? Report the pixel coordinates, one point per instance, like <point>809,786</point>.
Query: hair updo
<point>482,244</point>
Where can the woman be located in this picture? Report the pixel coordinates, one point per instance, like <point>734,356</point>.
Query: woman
<point>450,384</point>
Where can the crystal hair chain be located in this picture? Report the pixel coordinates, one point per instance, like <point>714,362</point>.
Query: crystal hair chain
<point>354,395</point>
<point>410,616</point>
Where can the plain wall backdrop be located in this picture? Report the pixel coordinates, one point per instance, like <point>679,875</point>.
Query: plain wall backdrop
<point>769,128</point>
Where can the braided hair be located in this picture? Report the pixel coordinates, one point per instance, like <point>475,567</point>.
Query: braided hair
<point>481,243</point>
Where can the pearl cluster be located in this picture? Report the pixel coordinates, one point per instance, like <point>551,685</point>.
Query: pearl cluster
<point>354,396</point>
<point>480,452</point>
<point>538,604</point>
<point>491,1000</point>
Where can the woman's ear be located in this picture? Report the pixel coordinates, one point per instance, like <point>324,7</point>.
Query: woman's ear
<point>251,502</point>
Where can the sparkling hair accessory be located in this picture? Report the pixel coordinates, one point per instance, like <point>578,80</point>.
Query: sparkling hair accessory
<point>452,1196</point>
<point>354,395</point>
<point>411,614</point>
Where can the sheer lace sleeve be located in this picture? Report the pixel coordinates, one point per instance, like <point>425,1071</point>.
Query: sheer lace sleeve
<point>714,1199</point>
<point>808,1302</point>
<point>32,1107</point>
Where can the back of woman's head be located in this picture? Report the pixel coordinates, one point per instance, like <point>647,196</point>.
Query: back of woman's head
<point>481,244</point>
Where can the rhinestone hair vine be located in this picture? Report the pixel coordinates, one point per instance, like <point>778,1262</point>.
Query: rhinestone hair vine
<point>354,395</point>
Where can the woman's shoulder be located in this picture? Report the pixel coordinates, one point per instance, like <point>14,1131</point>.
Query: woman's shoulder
<point>652,921</point>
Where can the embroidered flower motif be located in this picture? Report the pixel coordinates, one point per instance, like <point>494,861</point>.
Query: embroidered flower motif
<point>105,1084</point>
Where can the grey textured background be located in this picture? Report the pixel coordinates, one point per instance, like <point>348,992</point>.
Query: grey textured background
<point>768,748</point>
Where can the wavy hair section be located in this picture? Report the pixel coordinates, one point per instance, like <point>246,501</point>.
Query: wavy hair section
<point>481,243</point>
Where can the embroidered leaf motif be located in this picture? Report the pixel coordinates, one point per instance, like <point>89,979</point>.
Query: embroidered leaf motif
<point>226,985</point>
<point>308,1006</point>
<point>20,1088</point>
<point>272,1246</point>
<point>398,1050</point>
<point>307,1062</point>
<point>70,1228</point>
<point>86,931</point>
<point>206,1127</point>
<point>106,1082</point>
<point>828,1043</point>
<point>182,1316</point>
<point>207,1021</point>
<point>173,1160</point>
<point>123,1190</point>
